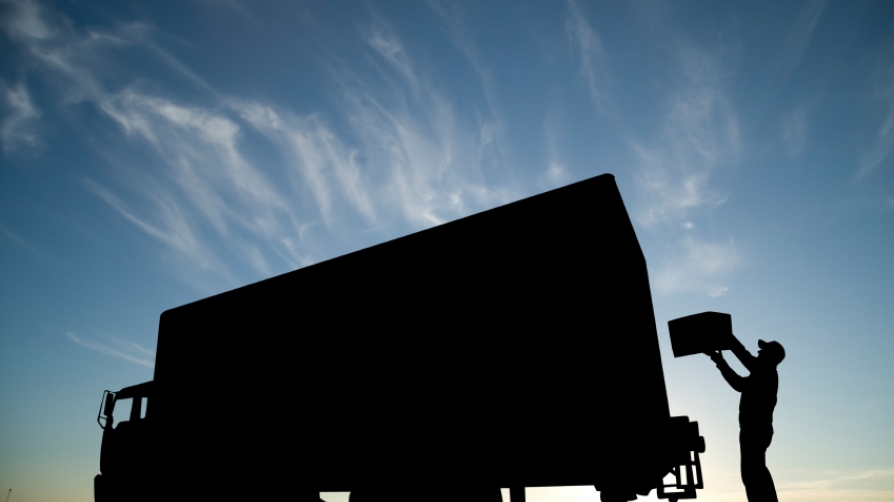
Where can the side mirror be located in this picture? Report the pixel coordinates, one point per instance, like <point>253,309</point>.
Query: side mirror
<point>109,404</point>
<point>105,419</point>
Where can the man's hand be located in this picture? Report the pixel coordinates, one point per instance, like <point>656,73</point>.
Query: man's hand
<point>717,357</point>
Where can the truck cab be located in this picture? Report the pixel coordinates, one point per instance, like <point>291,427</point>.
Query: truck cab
<point>128,443</point>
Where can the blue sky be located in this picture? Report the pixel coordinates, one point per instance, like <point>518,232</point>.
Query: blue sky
<point>155,153</point>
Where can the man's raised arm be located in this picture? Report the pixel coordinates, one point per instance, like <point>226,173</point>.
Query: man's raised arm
<point>748,360</point>
<point>736,381</point>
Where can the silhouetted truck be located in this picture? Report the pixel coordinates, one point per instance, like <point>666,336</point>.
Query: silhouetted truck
<point>512,348</point>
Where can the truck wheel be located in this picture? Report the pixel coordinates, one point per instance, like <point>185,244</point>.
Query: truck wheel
<point>609,496</point>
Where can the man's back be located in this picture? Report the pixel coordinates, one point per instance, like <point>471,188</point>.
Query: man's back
<point>758,398</point>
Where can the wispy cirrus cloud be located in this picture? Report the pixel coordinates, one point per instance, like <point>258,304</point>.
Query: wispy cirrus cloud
<point>791,52</point>
<point>837,486</point>
<point>327,167</point>
<point>168,224</point>
<point>491,123</point>
<point>23,19</point>
<point>422,158</point>
<point>882,143</point>
<point>592,60</point>
<point>396,149</point>
<point>700,134</point>
<point>18,128</point>
<point>382,38</point>
<point>16,239</point>
<point>794,131</point>
<point>673,170</point>
<point>407,155</point>
<point>699,266</point>
<point>196,185</point>
<point>555,174</point>
<point>185,138</point>
<point>119,348</point>
<point>454,25</point>
<point>205,193</point>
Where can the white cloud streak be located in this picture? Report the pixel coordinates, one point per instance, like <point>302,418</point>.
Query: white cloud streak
<point>420,157</point>
<point>385,42</point>
<point>23,20</point>
<point>455,28</point>
<point>700,134</point>
<point>24,244</point>
<point>588,45</point>
<point>429,165</point>
<point>555,174</point>
<point>883,142</point>
<point>405,154</point>
<point>492,128</point>
<point>792,51</point>
<point>173,229</point>
<point>177,131</point>
<point>699,267</point>
<point>325,163</point>
<point>673,171</point>
<point>832,486</point>
<point>18,240</point>
<point>19,125</point>
<point>794,131</point>
<point>207,183</point>
<point>123,349</point>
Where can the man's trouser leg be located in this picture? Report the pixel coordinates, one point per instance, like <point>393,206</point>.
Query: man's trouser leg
<point>755,476</point>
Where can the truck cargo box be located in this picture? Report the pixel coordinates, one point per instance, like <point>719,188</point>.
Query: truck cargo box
<point>514,347</point>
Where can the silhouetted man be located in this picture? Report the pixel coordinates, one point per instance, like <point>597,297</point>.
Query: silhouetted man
<point>755,412</point>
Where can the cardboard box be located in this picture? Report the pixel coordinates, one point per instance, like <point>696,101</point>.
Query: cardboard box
<point>699,333</point>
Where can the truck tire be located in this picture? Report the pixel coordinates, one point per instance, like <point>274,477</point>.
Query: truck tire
<point>610,496</point>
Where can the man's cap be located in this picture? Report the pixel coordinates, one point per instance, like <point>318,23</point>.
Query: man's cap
<point>773,349</point>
